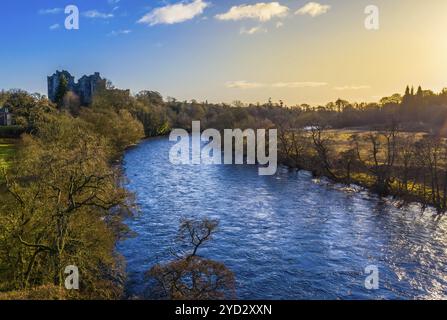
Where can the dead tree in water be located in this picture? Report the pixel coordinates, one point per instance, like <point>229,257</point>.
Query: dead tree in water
<point>189,276</point>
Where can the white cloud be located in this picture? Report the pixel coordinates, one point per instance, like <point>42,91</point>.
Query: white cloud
<point>309,84</point>
<point>253,30</point>
<point>50,11</point>
<point>260,11</point>
<point>352,87</point>
<point>55,26</point>
<point>119,32</point>
<point>95,14</point>
<point>242,84</point>
<point>313,9</point>
<point>279,24</point>
<point>175,13</point>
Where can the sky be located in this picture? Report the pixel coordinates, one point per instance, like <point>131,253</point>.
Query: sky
<point>297,51</point>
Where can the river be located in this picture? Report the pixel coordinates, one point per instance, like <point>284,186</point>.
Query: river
<point>286,236</point>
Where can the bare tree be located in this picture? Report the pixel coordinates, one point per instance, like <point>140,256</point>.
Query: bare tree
<point>381,153</point>
<point>322,145</point>
<point>190,276</point>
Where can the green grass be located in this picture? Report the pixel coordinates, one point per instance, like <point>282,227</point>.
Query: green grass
<point>7,150</point>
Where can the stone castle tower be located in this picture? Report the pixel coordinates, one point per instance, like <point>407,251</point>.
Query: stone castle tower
<point>85,88</point>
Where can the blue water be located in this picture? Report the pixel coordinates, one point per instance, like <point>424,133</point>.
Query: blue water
<point>286,236</point>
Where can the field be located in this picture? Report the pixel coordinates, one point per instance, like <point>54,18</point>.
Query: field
<point>341,138</point>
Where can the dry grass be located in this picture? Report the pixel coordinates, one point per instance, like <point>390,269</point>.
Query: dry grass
<point>41,293</point>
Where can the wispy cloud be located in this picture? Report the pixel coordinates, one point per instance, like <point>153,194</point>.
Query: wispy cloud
<point>51,11</point>
<point>115,33</point>
<point>352,87</point>
<point>308,84</point>
<point>251,31</point>
<point>95,14</point>
<point>260,11</point>
<point>55,26</point>
<point>175,13</point>
<point>313,9</point>
<point>242,84</point>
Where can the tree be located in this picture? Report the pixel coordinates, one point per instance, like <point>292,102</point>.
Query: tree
<point>341,104</point>
<point>63,206</point>
<point>323,147</point>
<point>395,99</point>
<point>419,92</point>
<point>381,154</point>
<point>61,91</point>
<point>28,109</point>
<point>150,98</point>
<point>189,276</point>
<point>120,128</point>
<point>431,158</point>
<point>407,91</point>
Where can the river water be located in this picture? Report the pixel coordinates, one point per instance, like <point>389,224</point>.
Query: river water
<point>286,236</point>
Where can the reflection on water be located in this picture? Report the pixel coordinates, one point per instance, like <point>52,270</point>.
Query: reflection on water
<point>285,236</point>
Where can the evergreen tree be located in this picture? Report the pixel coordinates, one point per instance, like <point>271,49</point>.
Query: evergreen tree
<point>419,93</point>
<point>62,90</point>
<point>407,97</point>
<point>407,91</point>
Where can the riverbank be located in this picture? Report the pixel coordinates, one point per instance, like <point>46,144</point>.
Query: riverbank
<point>410,167</point>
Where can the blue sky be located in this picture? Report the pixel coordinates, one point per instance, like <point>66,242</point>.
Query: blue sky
<point>208,51</point>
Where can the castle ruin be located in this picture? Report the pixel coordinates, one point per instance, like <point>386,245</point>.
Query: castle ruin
<point>85,88</point>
